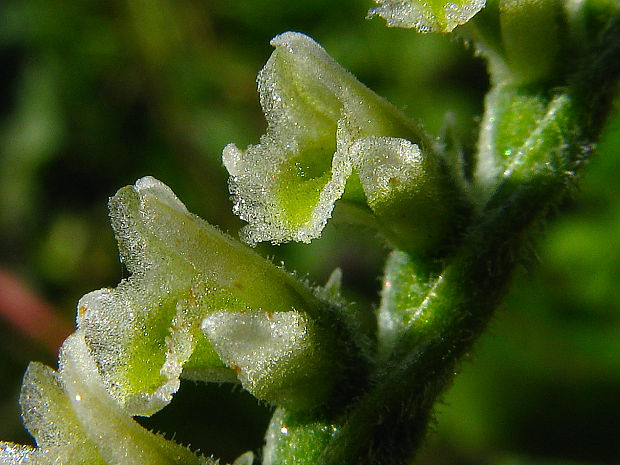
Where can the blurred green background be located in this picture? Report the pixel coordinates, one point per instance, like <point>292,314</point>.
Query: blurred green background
<point>94,95</point>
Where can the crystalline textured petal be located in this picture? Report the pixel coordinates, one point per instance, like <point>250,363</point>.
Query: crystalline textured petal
<point>427,16</point>
<point>15,454</point>
<point>277,356</point>
<point>127,328</point>
<point>119,439</point>
<point>48,416</point>
<point>256,343</point>
<point>387,165</point>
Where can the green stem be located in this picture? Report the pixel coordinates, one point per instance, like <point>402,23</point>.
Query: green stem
<point>459,303</point>
<point>458,308</point>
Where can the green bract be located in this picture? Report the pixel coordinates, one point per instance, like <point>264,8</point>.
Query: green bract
<point>404,289</point>
<point>515,124</point>
<point>427,16</point>
<point>289,433</point>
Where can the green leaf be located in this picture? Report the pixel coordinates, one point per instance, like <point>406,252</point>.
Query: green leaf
<point>522,134</point>
<point>511,114</point>
<point>427,16</point>
<point>405,286</point>
<point>294,439</point>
